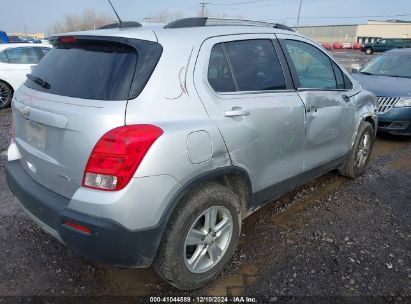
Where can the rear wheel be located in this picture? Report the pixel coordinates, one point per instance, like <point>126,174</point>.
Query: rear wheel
<point>201,237</point>
<point>6,95</point>
<point>360,153</point>
<point>369,51</point>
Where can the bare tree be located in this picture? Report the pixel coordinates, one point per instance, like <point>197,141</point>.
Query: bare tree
<point>207,13</point>
<point>87,21</point>
<point>163,16</point>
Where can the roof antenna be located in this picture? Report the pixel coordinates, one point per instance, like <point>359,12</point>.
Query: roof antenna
<point>115,12</point>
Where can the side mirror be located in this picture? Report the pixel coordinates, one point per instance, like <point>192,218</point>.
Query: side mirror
<point>355,68</point>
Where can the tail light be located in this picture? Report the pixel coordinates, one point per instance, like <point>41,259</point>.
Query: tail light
<point>117,155</point>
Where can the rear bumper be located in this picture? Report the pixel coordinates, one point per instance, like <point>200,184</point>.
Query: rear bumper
<point>108,242</point>
<point>396,121</point>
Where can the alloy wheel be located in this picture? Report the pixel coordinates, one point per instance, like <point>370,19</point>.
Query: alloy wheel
<point>4,95</point>
<point>208,239</point>
<point>363,150</point>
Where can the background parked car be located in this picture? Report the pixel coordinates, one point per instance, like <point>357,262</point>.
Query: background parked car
<point>17,60</point>
<point>347,45</point>
<point>357,46</point>
<point>389,77</point>
<point>386,45</point>
<point>337,46</point>
<point>3,37</point>
<point>327,46</point>
<point>16,39</point>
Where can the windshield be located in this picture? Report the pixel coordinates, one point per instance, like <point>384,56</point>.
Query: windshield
<point>390,64</point>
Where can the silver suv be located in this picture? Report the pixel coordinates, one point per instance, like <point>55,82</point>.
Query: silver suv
<point>139,146</point>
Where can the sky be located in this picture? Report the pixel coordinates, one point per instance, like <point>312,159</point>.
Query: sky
<point>40,15</point>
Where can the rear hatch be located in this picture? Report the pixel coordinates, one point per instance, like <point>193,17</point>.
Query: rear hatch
<point>77,93</point>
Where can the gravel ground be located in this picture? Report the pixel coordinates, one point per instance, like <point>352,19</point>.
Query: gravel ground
<point>340,238</point>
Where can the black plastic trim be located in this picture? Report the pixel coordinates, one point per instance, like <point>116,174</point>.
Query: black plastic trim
<point>274,192</point>
<point>197,180</point>
<point>124,24</point>
<point>187,22</point>
<point>109,242</point>
<point>202,21</point>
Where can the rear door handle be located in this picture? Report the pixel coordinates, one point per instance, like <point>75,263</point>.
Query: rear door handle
<point>236,112</point>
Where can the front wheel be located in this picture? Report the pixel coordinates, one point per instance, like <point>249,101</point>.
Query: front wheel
<point>360,153</point>
<point>201,237</point>
<point>369,51</point>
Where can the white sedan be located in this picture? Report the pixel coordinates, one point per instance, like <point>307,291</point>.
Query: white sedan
<point>16,61</point>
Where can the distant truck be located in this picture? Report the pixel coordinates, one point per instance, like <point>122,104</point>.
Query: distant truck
<point>383,45</point>
<point>3,37</point>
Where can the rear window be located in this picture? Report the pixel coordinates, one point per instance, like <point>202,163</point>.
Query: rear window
<point>87,70</point>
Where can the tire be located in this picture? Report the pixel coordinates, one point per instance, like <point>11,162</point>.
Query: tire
<point>6,95</point>
<point>369,51</point>
<point>360,153</point>
<point>176,260</point>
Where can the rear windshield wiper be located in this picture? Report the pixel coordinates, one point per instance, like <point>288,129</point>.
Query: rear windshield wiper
<point>39,81</point>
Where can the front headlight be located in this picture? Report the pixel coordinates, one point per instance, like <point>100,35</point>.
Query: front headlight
<point>403,102</point>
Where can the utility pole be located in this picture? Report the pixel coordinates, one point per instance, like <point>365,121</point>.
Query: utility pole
<point>203,8</point>
<point>298,17</point>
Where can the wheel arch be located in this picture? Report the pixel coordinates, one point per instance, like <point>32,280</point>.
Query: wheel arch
<point>235,178</point>
<point>10,87</point>
<point>371,120</point>
<point>8,84</point>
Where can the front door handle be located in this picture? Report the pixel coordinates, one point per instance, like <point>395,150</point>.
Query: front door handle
<point>346,98</point>
<point>236,112</point>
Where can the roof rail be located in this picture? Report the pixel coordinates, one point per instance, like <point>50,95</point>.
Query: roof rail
<point>205,21</point>
<point>125,24</point>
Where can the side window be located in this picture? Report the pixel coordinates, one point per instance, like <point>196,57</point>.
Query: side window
<point>219,73</point>
<point>339,76</point>
<point>255,64</point>
<point>22,55</point>
<point>3,57</point>
<point>347,82</point>
<point>313,67</point>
